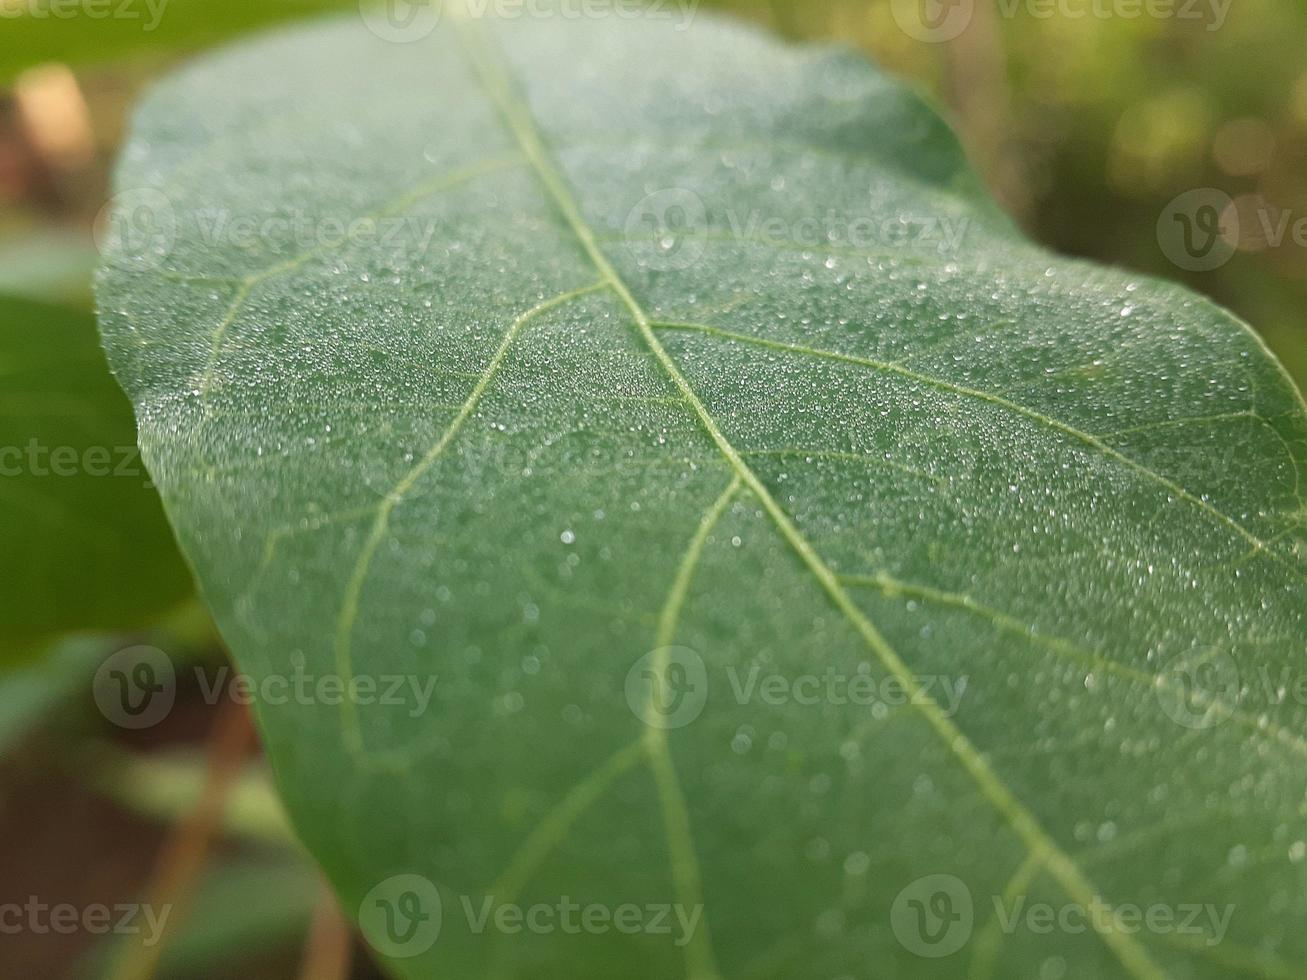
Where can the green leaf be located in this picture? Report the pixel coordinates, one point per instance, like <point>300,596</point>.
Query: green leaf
<point>167,786</point>
<point>85,537</point>
<point>948,572</point>
<point>32,692</point>
<point>242,911</point>
<point>92,32</point>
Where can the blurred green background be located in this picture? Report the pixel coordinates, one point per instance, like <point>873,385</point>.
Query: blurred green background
<point>1086,122</point>
<point>1085,117</point>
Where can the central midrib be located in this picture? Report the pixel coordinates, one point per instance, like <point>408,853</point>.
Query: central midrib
<point>1043,848</point>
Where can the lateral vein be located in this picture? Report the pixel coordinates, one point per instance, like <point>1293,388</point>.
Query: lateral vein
<point>1131,954</point>
<point>353,590</point>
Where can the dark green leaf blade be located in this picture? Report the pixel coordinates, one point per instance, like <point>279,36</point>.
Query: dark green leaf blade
<point>623,399</point>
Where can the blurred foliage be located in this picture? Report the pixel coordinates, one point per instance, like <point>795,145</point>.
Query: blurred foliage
<point>35,690</point>
<point>82,523</point>
<point>244,910</point>
<point>1086,127</point>
<point>38,31</point>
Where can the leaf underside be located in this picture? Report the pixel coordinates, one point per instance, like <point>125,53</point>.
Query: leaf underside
<point>528,452</point>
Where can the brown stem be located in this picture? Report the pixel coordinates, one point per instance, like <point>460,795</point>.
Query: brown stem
<point>184,853</point>
<point>329,949</point>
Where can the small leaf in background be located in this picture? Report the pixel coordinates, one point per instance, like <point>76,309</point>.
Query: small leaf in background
<point>95,33</point>
<point>244,910</point>
<point>753,533</point>
<point>32,692</point>
<point>87,540</point>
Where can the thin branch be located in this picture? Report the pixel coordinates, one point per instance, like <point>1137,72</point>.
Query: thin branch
<point>328,952</point>
<point>185,852</point>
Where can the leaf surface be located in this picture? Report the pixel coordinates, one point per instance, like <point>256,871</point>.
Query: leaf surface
<point>955,578</point>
